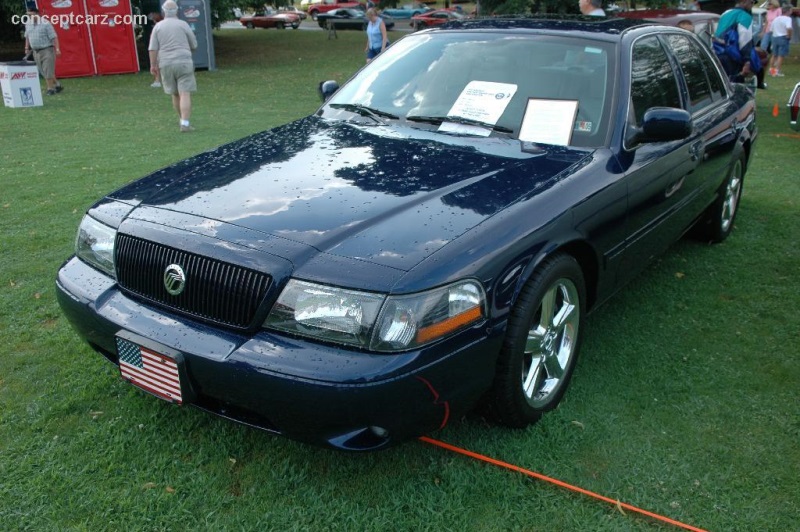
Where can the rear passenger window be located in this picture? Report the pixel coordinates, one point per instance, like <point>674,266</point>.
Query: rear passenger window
<point>653,82</point>
<point>704,86</point>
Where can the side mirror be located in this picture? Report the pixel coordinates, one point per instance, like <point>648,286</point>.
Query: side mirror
<point>327,88</point>
<point>662,124</point>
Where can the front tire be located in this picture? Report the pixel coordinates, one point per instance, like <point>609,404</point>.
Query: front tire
<point>542,344</point>
<point>717,222</point>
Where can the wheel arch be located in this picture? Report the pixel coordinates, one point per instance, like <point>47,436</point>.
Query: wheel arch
<point>580,250</point>
<point>586,257</point>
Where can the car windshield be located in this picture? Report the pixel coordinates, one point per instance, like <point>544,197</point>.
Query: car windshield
<point>516,84</point>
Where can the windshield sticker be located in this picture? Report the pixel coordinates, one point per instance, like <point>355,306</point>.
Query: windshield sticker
<point>583,126</point>
<point>548,121</point>
<point>482,102</point>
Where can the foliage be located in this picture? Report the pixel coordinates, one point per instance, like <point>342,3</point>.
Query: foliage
<point>506,7</point>
<point>8,8</point>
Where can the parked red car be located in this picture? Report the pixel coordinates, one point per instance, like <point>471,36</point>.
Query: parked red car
<point>270,18</point>
<point>293,10</point>
<point>435,18</point>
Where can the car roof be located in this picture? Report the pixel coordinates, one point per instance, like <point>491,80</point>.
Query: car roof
<point>668,16</point>
<point>611,26</point>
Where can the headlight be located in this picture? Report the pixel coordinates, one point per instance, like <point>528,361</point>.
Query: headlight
<point>374,321</point>
<point>325,312</point>
<point>95,244</point>
<point>412,321</point>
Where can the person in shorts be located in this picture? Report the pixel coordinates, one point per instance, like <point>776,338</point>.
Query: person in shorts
<point>41,38</point>
<point>781,36</point>
<point>171,46</point>
<point>377,40</point>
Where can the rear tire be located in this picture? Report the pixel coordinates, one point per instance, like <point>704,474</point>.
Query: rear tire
<point>541,345</point>
<point>250,26</point>
<point>717,222</point>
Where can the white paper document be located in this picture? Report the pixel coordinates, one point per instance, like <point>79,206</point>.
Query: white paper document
<point>548,121</point>
<point>484,101</point>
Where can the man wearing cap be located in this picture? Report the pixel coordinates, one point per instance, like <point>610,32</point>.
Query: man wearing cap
<point>171,45</point>
<point>41,38</point>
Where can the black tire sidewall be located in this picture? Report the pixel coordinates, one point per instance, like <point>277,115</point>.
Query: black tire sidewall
<point>507,401</point>
<point>710,226</point>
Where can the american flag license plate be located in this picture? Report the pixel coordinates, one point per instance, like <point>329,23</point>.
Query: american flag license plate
<point>150,370</point>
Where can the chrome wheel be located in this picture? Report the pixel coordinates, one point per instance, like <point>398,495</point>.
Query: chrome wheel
<point>717,222</point>
<point>551,343</point>
<point>542,343</point>
<point>730,199</point>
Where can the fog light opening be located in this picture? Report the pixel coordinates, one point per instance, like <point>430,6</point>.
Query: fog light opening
<point>380,432</point>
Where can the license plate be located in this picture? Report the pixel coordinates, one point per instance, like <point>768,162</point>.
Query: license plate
<point>150,369</point>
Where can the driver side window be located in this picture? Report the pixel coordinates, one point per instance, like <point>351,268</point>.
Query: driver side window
<point>653,82</point>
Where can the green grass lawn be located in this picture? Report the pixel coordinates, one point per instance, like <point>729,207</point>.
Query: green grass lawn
<point>685,401</point>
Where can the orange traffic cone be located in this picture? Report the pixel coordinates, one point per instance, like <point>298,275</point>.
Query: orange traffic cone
<point>775,111</point>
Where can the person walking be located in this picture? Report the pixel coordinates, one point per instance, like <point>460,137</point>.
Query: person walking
<point>377,40</point>
<point>781,37</point>
<point>171,46</point>
<point>773,12</point>
<point>41,38</point>
<point>591,8</point>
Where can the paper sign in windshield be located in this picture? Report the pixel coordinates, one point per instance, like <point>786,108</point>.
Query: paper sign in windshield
<point>548,121</point>
<point>482,101</point>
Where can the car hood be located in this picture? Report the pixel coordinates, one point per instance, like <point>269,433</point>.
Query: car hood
<point>384,194</point>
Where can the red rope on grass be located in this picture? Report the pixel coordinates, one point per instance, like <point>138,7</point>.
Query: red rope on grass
<point>619,505</point>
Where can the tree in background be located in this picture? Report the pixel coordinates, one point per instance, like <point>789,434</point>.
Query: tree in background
<point>9,31</point>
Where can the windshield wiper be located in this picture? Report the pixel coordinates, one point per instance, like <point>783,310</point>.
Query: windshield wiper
<point>363,110</point>
<point>458,120</point>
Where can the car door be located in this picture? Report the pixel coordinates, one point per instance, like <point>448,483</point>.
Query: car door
<point>659,174</point>
<point>713,118</point>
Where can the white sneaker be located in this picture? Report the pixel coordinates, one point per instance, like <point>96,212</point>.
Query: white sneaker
<point>156,84</point>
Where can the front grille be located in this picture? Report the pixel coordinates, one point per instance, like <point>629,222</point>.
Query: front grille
<point>215,291</point>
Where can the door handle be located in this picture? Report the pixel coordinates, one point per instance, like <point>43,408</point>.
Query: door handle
<point>673,188</point>
<point>696,150</point>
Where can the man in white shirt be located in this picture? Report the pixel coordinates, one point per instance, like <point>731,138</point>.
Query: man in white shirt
<point>781,37</point>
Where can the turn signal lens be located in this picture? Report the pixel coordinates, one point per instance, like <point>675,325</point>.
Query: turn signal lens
<point>411,321</point>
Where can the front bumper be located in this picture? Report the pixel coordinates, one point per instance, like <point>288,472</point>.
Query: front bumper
<point>311,392</point>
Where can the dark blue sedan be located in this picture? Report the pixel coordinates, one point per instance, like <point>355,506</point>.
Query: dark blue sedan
<point>431,239</point>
